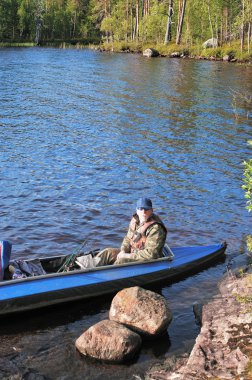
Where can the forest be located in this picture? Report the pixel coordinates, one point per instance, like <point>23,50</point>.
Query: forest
<point>178,22</point>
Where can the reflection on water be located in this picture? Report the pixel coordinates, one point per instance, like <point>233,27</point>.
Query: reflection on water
<point>83,135</point>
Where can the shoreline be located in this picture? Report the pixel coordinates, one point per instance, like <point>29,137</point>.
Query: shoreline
<point>223,348</point>
<point>208,54</point>
<point>230,54</point>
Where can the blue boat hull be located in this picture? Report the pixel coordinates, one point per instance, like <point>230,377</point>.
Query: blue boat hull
<point>51,289</point>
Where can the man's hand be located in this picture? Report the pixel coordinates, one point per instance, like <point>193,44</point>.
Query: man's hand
<point>123,255</point>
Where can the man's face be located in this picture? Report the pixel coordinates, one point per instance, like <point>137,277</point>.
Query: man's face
<point>144,214</point>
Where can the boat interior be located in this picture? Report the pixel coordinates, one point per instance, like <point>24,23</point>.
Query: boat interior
<point>18,269</point>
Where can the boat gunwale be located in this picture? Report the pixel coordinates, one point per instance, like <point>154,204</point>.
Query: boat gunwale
<point>189,266</point>
<point>118,284</point>
<point>81,271</point>
<point>219,247</point>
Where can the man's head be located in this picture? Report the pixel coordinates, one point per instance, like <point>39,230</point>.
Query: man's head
<point>144,209</point>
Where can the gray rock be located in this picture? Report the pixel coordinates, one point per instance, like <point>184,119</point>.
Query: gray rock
<point>150,52</point>
<point>143,311</point>
<point>175,54</point>
<point>211,43</point>
<point>109,341</point>
<point>226,58</point>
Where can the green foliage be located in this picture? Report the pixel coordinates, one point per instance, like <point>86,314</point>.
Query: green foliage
<point>16,44</point>
<point>26,12</point>
<point>212,52</point>
<point>248,183</point>
<point>123,46</point>
<point>243,56</point>
<point>9,19</point>
<point>249,243</point>
<point>168,50</point>
<point>247,187</point>
<point>152,27</point>
<point>131,21</point>
<point>244,17</point>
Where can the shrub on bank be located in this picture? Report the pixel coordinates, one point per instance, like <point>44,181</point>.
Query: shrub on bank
<point>212,53</point>
<point>17,44</point>
<point>122,46</point>
<point>169,50</point>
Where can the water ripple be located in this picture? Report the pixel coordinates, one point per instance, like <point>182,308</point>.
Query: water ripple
<point>83,135</point>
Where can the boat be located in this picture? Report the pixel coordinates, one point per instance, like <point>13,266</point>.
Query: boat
<point>56,286</point>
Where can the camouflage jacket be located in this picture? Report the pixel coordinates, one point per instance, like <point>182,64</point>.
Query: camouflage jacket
<point>155,236</point>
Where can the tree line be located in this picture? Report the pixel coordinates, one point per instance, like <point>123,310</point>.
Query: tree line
<point>158,21</point>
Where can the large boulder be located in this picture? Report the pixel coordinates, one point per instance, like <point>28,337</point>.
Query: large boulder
<point>211,43</point>
<point>109,341</point>
<point>150,52</point>
<point>143,311</point>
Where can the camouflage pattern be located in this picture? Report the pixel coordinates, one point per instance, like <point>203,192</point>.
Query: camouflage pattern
<point>154,243</point>
<point>107,256</point>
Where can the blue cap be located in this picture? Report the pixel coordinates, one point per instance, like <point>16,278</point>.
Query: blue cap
<point>144,203</point>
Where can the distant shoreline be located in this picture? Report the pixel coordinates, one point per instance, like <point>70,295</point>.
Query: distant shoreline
<point>230,54</point>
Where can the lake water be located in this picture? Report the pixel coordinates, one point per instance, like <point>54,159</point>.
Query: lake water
<point>84,134</point>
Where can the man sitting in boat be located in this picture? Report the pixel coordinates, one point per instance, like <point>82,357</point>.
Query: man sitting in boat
<point>145,239</point>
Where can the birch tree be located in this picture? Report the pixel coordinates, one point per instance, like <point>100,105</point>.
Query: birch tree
<point>168,33</point>
<point>181,14</point>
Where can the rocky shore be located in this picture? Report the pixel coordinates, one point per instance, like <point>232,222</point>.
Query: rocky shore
<point>222,54</point>
<point>223,349</point>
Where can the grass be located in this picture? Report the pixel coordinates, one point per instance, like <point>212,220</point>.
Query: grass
<point>194,51</point>
<point>17,44</point>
